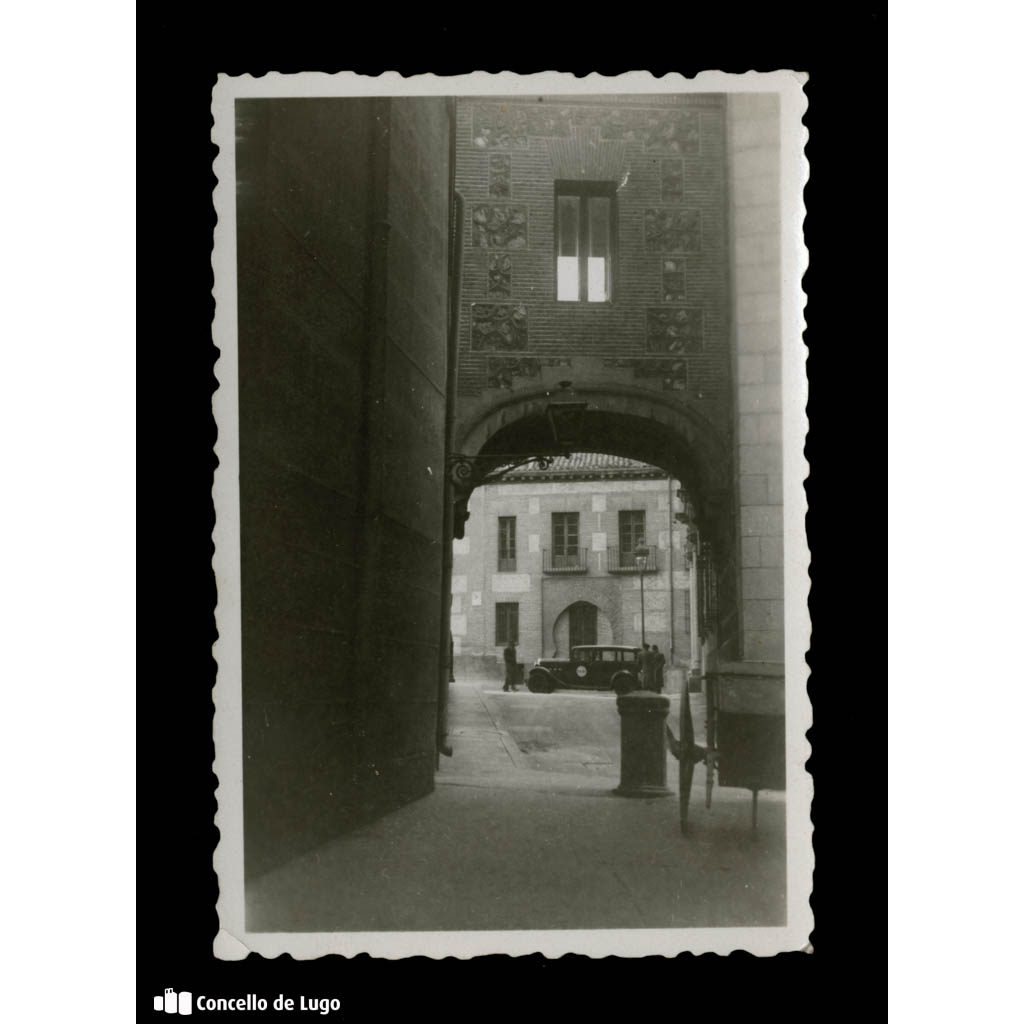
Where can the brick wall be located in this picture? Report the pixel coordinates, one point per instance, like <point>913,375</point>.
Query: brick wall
<point>666,327</point>
<point>341,408</point>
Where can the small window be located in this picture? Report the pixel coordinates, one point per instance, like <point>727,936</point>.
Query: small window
<point>506,623</point>
<point>609,655</point>
<point>631,532</point>
<point>506,543</point>
<point>584,225</point>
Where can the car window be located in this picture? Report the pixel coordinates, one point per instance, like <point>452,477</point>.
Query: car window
<point>579,654</point>
<point>629,655</point>
<point>609,655</point>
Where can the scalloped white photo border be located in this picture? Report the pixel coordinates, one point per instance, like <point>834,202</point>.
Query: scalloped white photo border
<point>233,941</point>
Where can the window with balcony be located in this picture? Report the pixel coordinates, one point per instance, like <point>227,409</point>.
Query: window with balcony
<point>623,558</point>
<point>632,527</point>
<point>565,534</point>
<point>585,236</point>
<point>506,622</point>
<point>565,554</point>
<point>506,543</point>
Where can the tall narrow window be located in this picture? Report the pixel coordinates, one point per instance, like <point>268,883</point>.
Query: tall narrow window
<point>584,217</point>
<point>506,622</point>
<point>506,543</point>
<point>569,248</point>
<point>598,258</point>
<point>631,532</point>
<point>565,536</point>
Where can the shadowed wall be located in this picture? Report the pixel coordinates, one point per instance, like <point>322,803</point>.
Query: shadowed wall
<point>343,213</point>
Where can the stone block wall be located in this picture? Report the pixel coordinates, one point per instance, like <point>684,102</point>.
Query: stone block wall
<point>754,189</point>
<point>666,327</point>
<point>343,213</point>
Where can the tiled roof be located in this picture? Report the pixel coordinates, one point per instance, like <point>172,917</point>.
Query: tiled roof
<point>586,463</point>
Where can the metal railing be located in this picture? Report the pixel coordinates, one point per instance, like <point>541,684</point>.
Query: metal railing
<point>623,560</point>
<point>565,563</point>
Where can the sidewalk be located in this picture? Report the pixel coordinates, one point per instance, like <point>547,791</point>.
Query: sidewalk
<point>523,832</point>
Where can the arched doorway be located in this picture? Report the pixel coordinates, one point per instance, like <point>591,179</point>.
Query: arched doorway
<point>581,623</point>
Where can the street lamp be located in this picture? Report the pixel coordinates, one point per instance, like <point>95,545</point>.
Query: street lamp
<point>565,416</point>
<point>640,554</point>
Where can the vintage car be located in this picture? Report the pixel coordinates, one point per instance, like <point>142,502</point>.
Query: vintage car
<point>590,667</point>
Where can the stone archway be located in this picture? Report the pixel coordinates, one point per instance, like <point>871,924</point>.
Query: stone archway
<point>619,420</point>
<point>637,424</point>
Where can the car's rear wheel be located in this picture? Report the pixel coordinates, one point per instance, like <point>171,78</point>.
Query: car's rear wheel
<point>623,682</point>
<point>538,682</point>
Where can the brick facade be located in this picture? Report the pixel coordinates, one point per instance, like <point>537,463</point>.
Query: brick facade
<point>666,326</point>
<point>682,367</point>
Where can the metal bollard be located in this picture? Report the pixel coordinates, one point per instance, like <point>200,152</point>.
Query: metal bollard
<point>642,720</point>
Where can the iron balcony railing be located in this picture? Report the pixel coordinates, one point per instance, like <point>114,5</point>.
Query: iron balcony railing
<point>576,562</point>
<point>623,560</point>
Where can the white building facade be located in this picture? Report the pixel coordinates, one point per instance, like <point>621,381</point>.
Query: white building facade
<point>554,558</point>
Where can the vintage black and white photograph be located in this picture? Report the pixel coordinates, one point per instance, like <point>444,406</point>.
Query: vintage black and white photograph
<point>510,557</point>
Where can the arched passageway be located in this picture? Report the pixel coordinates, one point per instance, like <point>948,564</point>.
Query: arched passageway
<point>637,425</point>
<point>619,420</point>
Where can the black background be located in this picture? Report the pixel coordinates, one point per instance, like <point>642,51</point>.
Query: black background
<point>845,234</point>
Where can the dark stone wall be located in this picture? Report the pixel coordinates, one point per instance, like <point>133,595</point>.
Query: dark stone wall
<point>343,210</point>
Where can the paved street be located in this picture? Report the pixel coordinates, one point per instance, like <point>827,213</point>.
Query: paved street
<point>523,832</point>
<point>509,734</point>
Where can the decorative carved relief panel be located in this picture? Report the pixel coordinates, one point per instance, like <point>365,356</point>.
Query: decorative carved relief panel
<point>499,275</point>
<point>672,230</point>
<point>499,227</point>
<point>504,372</point>
<point>499,127</point>
<point>500,176</point>
<point>675,330</point>
<point>673,283</point>
<point>498,325</point>
<point>661,130</point>
<point>671,372</point>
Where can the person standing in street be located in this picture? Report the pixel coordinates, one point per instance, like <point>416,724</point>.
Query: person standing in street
<point>659,669</point>
<point>509,655</point>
